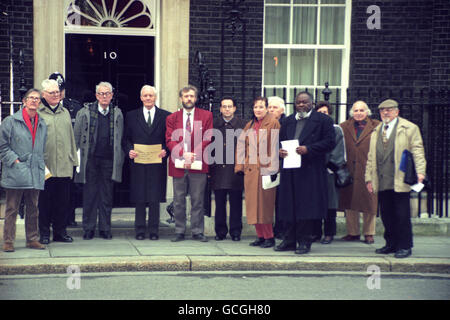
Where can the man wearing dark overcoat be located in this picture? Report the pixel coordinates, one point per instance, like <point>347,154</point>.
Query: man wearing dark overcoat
<point>224,181</point>
<point>146,126</point>
<point>303,196</point>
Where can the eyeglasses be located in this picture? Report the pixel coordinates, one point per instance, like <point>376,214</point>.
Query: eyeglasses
<point>104,94</point>
<point>387,109</point>
<point>34,98</point>
<point>53,93</point>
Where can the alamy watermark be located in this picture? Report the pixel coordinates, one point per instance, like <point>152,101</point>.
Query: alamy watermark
<point>374,279</point>
<point>73,282</point>
<point>374,21</point>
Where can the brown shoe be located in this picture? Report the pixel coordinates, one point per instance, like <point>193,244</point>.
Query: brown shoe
<point>8,247</point>
<point>369,239</point>
<point>351,238</point>
<point>35,245</point>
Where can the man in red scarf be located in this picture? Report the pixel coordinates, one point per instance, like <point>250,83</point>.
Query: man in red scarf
<point>22,142</point>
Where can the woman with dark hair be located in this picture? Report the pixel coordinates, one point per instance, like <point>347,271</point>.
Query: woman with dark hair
<point>257,156</point>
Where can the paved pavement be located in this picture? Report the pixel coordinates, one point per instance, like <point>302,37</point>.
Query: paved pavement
<point>431,254</point>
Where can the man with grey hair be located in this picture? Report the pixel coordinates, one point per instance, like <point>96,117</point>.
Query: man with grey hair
<point>146,126</point>
<point>60,158</point>
<point>276,106</point>
<point>390,141</point>
<point>98,135</point>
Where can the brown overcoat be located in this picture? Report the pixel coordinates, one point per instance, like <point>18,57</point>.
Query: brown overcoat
<point>259,203</point>
<point>355,196</point>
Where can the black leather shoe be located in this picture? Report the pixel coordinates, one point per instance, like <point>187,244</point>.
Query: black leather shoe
<point>154,236</point>
<point>385,250</point>
<point>236,238</point>
<point>178,237</point>
<point>44,240</point>
<point>327,240</point>
<point>302,249</point>
<point>140,236</point>
<point>65,238</point>
<point>257,242</point>
<point>315,238</point>
<point>268,243</point>
<point>402,253</point>
<point>88,235</point>
<point>285,246</point>
<point>219,238</point>
<point>200,237</point>
<point>105,235</point>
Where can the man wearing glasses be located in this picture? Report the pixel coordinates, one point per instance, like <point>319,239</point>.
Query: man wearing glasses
<point>22,142</point>
<point>98,135</point>
<point>60,158</point>
<point>388,142</point>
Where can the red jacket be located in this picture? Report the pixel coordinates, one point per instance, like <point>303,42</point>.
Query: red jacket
<point>200,138</point>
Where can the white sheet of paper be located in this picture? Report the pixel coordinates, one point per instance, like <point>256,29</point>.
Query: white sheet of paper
<point>293,159</point>
<point>417,187</point>
<point>267,182</point>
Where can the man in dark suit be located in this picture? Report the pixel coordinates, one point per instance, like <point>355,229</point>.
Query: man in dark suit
<point>303,191</point>
<point>188,133</point>
<point>224,181</point>
<point>147,126</point>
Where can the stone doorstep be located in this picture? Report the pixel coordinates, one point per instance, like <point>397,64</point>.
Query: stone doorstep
<point>225,263</point>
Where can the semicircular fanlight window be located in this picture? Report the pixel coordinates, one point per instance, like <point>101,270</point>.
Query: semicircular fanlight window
<point>109,14</point>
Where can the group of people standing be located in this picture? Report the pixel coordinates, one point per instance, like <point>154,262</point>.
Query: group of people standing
<point>41,140</point>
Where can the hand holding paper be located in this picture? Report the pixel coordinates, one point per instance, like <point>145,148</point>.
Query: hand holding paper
<point>293,159</point>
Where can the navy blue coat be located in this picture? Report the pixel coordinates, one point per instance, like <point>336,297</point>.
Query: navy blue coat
<point>303,191</point>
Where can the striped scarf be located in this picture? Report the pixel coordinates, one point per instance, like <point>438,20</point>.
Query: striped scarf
<point>93,113</point>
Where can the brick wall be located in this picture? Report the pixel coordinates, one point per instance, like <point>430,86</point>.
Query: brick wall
<point>20,15</point>
<point>231,73</point>
<point>411,50</point>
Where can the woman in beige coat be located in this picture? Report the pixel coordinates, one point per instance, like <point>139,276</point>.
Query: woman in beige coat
<point>257,156</point>
<point>355,198</point>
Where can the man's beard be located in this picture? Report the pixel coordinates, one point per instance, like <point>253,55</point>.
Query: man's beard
<point>189,107</point>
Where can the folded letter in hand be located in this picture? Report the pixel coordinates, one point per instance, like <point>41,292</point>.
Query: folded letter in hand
<point>293,159</point>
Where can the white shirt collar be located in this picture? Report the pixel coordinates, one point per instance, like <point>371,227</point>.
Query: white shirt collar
<point>391,126</point>
<point>100,109</point>
<point>152,112</point>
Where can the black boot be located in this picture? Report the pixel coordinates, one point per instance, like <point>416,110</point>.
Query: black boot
<point>257,242</point>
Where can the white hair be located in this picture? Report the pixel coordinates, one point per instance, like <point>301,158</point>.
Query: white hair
<point>104,84</point>
<point>149,87</point>
<point>277,101</point>
<point>366,107</point>
<point>49,84</point>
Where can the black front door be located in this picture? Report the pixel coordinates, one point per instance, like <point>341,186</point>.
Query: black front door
<point>127,62</point>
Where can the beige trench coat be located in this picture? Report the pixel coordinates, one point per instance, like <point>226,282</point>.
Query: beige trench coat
<point>255,161</point>
<point>407,137</point>
<point>355,196</point>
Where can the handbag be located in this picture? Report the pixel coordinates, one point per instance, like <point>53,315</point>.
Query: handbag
<point>343,178</point>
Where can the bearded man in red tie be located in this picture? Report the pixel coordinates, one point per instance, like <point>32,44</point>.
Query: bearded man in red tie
<point>188,133</point>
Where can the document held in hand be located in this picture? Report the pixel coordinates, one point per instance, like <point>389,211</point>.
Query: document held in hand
<point>147,153</point>
<point>181,164</point>
<point>267,182</point>
<point>293,159</point>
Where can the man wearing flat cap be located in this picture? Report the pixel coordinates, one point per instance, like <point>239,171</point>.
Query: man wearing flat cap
<point>73,106</point>
<point>383,176</point>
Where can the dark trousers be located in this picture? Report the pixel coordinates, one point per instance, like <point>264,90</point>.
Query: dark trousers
<point>278,227</point>
<point>153,218</point>
<point>98,195</point>
<point>396,217</point>
<point>54,201</point>
<point>220,219</point>
<point>299,232</point>
<point>329,225</point>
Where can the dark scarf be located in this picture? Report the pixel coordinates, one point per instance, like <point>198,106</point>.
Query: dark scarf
<point>359,127</point>
<point>93,112</point>
<point>45,103</point>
